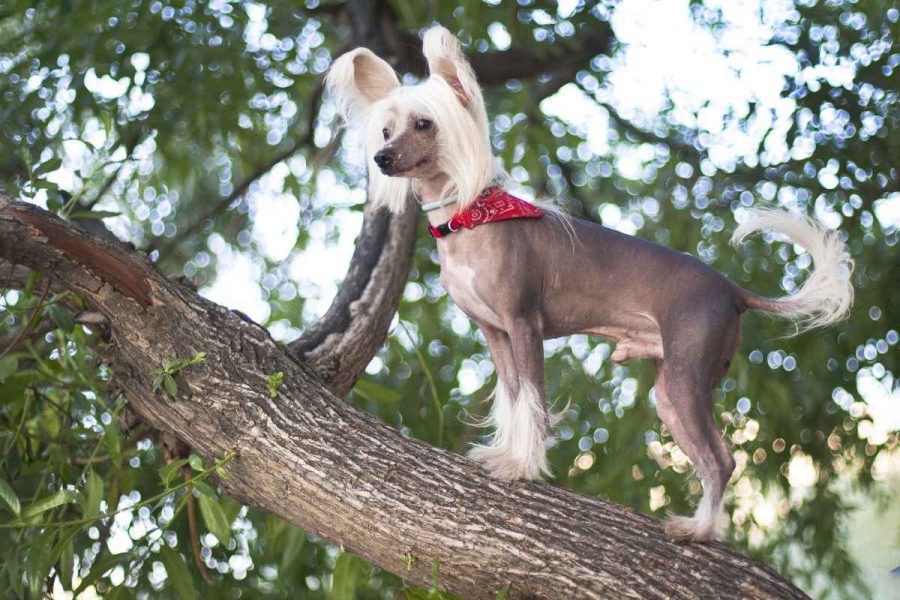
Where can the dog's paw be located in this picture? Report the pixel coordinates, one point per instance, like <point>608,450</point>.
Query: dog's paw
<point>691,529</point>
<point>500,465</point>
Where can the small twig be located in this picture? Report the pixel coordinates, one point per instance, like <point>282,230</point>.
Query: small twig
<point>90,460</point>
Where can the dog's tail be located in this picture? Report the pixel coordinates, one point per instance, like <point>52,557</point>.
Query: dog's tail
<point>827,294</point>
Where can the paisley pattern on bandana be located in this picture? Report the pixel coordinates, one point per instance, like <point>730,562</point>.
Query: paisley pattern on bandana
<point>493,204</point>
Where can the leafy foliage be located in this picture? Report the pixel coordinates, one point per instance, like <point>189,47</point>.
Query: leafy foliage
<point>179,126</point>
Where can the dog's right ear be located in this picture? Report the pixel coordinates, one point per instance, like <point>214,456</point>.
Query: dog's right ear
<point>357,79</point>
<point>447,61</point>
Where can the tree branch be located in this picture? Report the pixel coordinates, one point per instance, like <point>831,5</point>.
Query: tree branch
<point>497,67</point>
<point>314,460</point>
<point>343,341</point>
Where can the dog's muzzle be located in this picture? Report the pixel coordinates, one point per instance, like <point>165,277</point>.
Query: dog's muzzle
<point>384,158</point>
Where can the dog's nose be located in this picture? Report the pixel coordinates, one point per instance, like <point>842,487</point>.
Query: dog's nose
<point>384,158</point>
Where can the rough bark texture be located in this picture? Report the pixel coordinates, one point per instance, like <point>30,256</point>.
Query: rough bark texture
<point>316,461</point>
<point>340,345</point>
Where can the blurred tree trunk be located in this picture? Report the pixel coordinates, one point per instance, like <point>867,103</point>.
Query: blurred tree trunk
<point>310,458</point>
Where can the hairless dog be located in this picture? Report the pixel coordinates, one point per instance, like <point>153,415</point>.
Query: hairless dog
<point>524,278</point>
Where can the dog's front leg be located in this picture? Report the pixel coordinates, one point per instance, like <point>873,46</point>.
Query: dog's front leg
<point>518,415</point>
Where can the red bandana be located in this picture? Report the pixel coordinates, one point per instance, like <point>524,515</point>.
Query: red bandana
<point>493,204</point>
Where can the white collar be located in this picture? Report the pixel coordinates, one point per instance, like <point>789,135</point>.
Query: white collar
<point>430,206</point>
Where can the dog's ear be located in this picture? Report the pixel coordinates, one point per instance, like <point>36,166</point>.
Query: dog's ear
<point>359,78</point>
<point>447,61</point>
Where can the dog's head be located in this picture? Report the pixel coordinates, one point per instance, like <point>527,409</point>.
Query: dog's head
<point>434,130</point>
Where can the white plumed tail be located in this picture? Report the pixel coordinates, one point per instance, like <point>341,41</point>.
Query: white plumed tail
<point>826,296</point>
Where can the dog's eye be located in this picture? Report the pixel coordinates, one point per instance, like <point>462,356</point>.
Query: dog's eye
<point>423,125</point>
<point>385,133</point>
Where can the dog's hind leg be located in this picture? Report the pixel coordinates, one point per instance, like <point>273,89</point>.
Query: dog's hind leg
<point>684,402</point>
<point>518,415</point>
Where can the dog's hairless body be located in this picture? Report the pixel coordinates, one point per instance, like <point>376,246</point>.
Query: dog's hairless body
<point>526,280</point>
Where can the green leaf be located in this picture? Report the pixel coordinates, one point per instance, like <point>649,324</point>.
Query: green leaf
<point>48,167</point>
<point>61,316</point>
<point>204,488</point>
<point>93,214</point>
<point>13,571</point>
<point>196,462</point>
<point>49,420</point>
<point>8,495</point>
<point>274,381</point>
<point>179,575</point>
<point>504,591</point>
<point>39,562</point>
<point>9,365</point>
<point>92,495</point>
<point>170,385</point>
<point>66,563</point>
<point>177,364</point>
<point>215,519</point>
<point>52,501</point>
<point>113,444</point>
<point>346,576</point>
<point>375,392</point>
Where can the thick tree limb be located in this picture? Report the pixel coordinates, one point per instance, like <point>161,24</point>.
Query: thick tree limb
<point>341,343</point>
<point>318,462</point>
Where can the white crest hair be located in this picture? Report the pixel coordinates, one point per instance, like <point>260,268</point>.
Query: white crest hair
<point>369,95</point>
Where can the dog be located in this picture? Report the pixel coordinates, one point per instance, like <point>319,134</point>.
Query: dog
<point>525,274</point>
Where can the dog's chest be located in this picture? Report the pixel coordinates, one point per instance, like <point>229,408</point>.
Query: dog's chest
<point>461,282</point>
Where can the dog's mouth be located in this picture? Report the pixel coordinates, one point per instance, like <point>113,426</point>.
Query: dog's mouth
<point>400,172</point>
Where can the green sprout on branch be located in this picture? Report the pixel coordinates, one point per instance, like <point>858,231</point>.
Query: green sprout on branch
<point>165,377</point>
<point>274,380</point>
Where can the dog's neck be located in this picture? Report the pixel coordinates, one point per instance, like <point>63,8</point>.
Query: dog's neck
<point>429,191</point>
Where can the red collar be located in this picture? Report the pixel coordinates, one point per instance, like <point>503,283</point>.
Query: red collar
<point>493,204</point>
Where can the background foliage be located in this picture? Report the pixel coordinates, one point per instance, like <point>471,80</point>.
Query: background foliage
<point>197,132</point>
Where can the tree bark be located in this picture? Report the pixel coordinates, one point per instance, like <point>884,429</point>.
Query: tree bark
<point>336,471</point>
<point>340,345</point>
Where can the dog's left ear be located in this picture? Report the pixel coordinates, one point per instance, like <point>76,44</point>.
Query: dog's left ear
<point>447,61</point>
<point>358,79</point>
